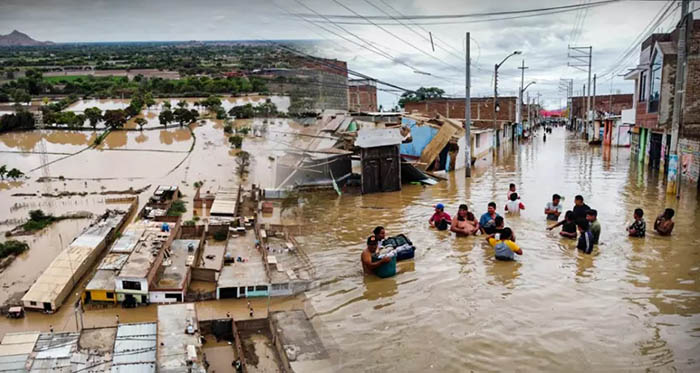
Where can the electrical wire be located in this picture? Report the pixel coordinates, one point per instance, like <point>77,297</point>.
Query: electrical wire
<point>397,37</point>
<point>475,15</point>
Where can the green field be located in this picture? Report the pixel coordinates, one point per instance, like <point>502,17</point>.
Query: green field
<point>67,78</point>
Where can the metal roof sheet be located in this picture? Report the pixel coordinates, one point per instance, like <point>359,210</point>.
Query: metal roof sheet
<point>371,138</point>
<point>135,348</point>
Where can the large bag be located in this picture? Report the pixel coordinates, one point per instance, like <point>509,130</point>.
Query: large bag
<point>403,246</point>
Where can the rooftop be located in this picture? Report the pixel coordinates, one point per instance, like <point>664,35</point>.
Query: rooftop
<point>102,280</point>
<point>224,202</point>
<point>135,348</point>
<point>145,252</point>
<point>71,263</point>
<point>175,273</point>
<point>298,336</point>
<point>173,339</point>
<point>248,273</point>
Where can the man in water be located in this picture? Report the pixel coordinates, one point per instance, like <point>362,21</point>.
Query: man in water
<point>487,222</point>
<point>592,217</point>
<point>514,206</point>
<point>664,223</point>
<point>553,209</point>
<point>463,225</point>
<point>440,219</point>
<point>367,265</point>
<point>500,227</point>
<point>580,209</point>
<point>379,234</point>
<point>585,240</point>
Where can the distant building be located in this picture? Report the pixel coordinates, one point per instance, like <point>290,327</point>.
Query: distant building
<point>481,113</point>
<point>362,95</point>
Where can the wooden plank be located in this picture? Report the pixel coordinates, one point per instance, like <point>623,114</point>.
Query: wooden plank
<point>435,146</point>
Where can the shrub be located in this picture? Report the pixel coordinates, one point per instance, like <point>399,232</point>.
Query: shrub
<point>12,247</point>
<point>177,208</point>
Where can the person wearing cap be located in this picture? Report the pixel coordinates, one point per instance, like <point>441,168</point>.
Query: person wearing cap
<point>440,219</point>
<point>367,265</point>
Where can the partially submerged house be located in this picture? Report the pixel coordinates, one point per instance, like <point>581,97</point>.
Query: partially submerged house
<point>380,158</point>
<point>57,281</point>
<point>179,341</point>
<point>174,277</point>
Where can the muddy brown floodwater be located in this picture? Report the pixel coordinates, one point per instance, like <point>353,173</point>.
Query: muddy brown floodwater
<point>633,305</point>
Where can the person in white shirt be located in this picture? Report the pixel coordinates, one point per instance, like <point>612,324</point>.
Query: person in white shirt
<point>514,206</point>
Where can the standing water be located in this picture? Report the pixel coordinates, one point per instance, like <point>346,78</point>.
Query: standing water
<point>632,305</point>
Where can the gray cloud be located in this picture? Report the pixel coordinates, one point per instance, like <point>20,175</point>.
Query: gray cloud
<point>543,40</point>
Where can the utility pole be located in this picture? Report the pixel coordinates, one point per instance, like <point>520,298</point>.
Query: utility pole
<point>583,97</point>
<point>594,112</point>
<point>582,57</point>
<point>674,177</point>
<point>495,93</point>
<point>468,112</point>
<point>518,111</point>
<point>529,116</point>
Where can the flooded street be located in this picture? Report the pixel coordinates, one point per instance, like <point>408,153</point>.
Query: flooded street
<point>633,305</point>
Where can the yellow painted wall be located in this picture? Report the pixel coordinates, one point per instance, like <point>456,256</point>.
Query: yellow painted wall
<point>101,296</point>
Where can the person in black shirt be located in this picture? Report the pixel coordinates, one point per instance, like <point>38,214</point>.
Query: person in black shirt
<point>568,228</point>
<point>580,209</point>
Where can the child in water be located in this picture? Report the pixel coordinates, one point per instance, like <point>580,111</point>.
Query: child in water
<point>569,226</point>
<point>514,206</point>
<point>638,228</point>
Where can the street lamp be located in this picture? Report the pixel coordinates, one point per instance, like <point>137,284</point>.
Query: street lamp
<point>528,84</point>
<point>495,90</point>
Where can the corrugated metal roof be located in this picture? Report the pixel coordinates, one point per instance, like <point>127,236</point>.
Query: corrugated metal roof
<point>71,263</point>
<point>135,348</point>
<point>224,202</point>
<point>371,138</point>
<point>13,363</point>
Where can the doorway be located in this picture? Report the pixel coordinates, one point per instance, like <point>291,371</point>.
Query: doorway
<point>655,150</point>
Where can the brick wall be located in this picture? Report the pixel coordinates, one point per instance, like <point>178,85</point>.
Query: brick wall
<point>362,98</point>
<point>691,105</point>
<point>602,104</point>
<point>481,109</point>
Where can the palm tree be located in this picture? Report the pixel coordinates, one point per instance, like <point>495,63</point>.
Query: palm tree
<point>14,174</point>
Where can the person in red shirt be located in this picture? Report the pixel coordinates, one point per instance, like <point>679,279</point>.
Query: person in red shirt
<point>440,219</point>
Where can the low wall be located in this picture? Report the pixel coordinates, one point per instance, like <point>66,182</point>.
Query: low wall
<point>204,274</point>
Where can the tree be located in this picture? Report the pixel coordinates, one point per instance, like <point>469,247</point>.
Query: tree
<point>141,122</point>
<point>20,95</point>
<point>165,117</point>
<point>242,163</point>
<point>236,141</point>
<point>182,104</point>
<point>14,174</point>
<point>94,115</point>
<point>115,118</point>
<point>420,94</point>
<point>167,105</point>
<point>211,101</point>
<point>79,120</point>
<point>3,172</point>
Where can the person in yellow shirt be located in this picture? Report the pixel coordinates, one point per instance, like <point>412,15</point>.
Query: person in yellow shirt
<point>503,245</point>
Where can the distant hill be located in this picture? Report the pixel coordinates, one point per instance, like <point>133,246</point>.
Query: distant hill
<point>18,39</point>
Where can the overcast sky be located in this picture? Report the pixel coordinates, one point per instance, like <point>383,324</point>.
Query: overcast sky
<point>610,29</point>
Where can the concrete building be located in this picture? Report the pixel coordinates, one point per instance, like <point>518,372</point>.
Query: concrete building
<point>175,275</point>
<point>362,95</point>
<point>57,281</point>
<point>138,273</point>
<point>244,278</point>
<point>654,97</point>
<point>179,342</point>
<point>298,343</point>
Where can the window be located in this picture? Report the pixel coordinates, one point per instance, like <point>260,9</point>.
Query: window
<point>33,303</point>
<point>655,83</point>
<point>643,86</point>
<point>131,285</point>
<point>478,139</point>
<point>251,288</point>
<point>261,288</point>
<point>279,286</point>
<point>109,295</point>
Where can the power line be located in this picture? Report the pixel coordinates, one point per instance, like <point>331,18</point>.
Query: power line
<point>474,15</point>
<point>397,37</point>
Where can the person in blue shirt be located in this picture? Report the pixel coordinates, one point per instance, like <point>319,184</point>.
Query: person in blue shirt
<point>487,222</point>
<point>585,240</point>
